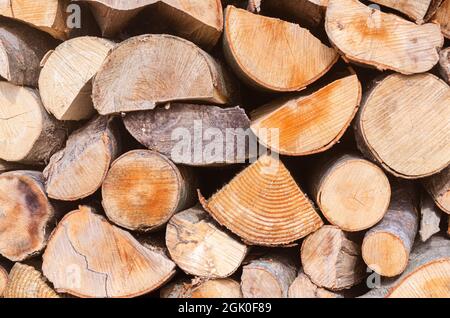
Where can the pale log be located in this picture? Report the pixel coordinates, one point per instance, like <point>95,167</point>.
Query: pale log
<point>442,16</point>
<point>414,9</point>
<point>438,186</point>
<point>444,64</point>
<point>199,288</point>
<point>3,280</point>
<point>303,287</point>
<point>308,12</point>
<point>430,218</point>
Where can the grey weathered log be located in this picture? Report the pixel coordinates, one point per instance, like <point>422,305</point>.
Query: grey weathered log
<point>430,218</point>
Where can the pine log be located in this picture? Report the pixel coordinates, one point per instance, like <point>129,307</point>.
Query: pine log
<point>309,124</point>
<point>26,282</point>
<point>370,37</point>
<point>21,51</point>
<point>88,257</point>
<point>303,287</point>
<point>255,46</point>
<point>308,12</point>
<point>143,190</point>
<point>27,132</point>
<point>197,135</point>
<point>438,186</point>
<point>352,193</point>
<point>3,280</point>
<point>268,277</point>
<point>27,216</point>
<point>200,248</point>
<point>386,247</point>
<point>430,218</point>
<point>198,288</point>
<point>414,9</point>
<point>173,70</point>
<point>331,260</point>
<point>264,205</point>
<point>79,169</point>
<point>444,64</point>
<point>404,125</point>
<point>65,81</point>
<point>442,17</point>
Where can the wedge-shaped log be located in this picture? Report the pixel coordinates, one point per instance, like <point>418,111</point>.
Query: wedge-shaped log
<point>264,205</point>
<point>308,124</point>
<point>415,9</point>
<point>430,218</point>
<point>308,12</point>
<point>404,125</point>
<point>273,54</point>
<point>370,37</point>
<point>173,70</point>
<point>88,257</point>
<point>65,80</point>
<point>79,169</point>
<point>442,16</point>
<point>199,288</point>
<point>303,287</point>
<point>438,186</point>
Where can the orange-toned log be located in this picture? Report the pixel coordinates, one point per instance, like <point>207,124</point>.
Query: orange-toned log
<point>438,186</point>
<point>414,9</point>
<point>200,288</point>
<point>442,16</point>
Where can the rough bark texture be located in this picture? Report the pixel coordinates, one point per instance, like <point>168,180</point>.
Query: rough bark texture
<point>430,218</point>
<point>303,287</point>
<point>442,16</point>
<point>6,166</point>
<point>200,288</point>
<point>438,186</point>
<point>444,64</point>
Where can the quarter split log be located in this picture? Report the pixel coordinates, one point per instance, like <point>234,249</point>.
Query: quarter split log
<point>198,288</point>
<point>444,64</point>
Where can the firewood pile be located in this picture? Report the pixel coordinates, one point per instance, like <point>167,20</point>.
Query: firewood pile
<point>224,149</point>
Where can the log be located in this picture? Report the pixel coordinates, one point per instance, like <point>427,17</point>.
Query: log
<point>438,186</point>
<point>27,217</point>
<point>448,226</point>
<point>65,81</point>
<point>264,205</point>
<point>27,132</point>
<point>414,9</point>
<point>308,124</point>
<point>308,12</point>
<point>351,192</point>
<point>139,85</point>
<point>143,190</point>
<point>80,168</point>
<point>198,288</point>
<point>3,280</point>
<point>386,247</point>
<point>198,21</point>
<point>255,46</point>
<point>430,218</point>
<point>403,124</point>
<point>27,282</point>
<point>88,257</point>
<point>196,135</point>
<point>331,260</point>
<point>373,38</point>
<point>200,248</point>
<point>268,277</point>
<point>6,166</point>
<point>21,51</point>
<point>442,16</point>
<point>303,287</point>
<point>434,6</point>
<point>444,64</point>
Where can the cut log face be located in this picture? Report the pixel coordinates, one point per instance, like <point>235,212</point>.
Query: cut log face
<point>27,132</point>
<point>442,17</point>
<point>370,37</point>
<point>404,125</point>
<point>309,124</point>
<point>214,288</point>
<point>3,280</point>
<point>26,282</point>
<point>309,12</point>
<point>439,188</point>
<point>303,287</point>
<point>264,205</point>
<point>430,218</point>
<point>143,190</point>
<point>386,247</point>
<point>88,257</point>
<point>161,129</point>
<point>173,70</point>
<point>200,248</point>
<point>21,51</point>
<point>256,47</point>
<point>444,64</point>
<point>79,169</point>
<point>268,277</point>
<point>331,260</point>
<point>26,215</point>
<point>415,9</point>
<point>351,192</point>
<point>65,80</point>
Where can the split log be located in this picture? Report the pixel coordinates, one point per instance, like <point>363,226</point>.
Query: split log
<point>200,248</point>
<point>255,46</point>
<point>430,218</point>
<point>370,37</point>
<point>173,70</point>
<point>26,282</point>
<point>415,9</point>
<point>386,247</point>
<point>65,81</point>
<point>88,257</point>
<point>3,280</point>
<point>331,260</point>
<point>198,21</point>
<point>197,288</point>
<point>403,124</point>
<point>434,6</point>
<point>27,216</point>
<point>268,277</point>
<point>352,193</point>
<point>21,51</point>
<point>143,190</point>
<point>196,135</point>
<point>79,169</point>
<point>444,64</point>
<point>308,12</point>
<point>303,287</point>
<point>439,188</point>
<point>442,17</point>
<point>264,205</point>
<point>27,132</point>
<point>309,124</point>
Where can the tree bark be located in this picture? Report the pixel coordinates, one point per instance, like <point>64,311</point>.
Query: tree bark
<point>311,13</point>
<point>199,288</point>
<point>430,218</point>
<point>438,186</point>
<point>414,9</point>
<point>444,64</point>
<point>442,16</point>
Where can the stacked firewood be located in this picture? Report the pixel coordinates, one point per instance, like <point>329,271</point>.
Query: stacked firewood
<point>199,148</point>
